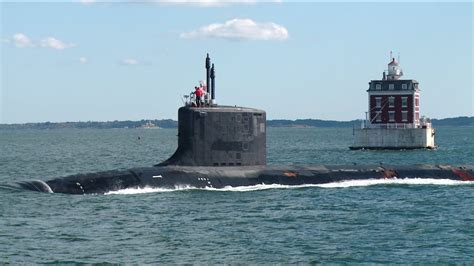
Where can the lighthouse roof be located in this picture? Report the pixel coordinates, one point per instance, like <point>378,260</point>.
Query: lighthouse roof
<point>393,63</point>
<point>393,86</point>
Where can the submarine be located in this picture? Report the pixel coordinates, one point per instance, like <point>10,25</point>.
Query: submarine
<point>225,146</point>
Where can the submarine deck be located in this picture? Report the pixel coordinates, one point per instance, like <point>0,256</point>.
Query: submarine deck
<point>234,176</point>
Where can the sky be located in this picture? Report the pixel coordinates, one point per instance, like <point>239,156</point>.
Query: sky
<point>128,60</point>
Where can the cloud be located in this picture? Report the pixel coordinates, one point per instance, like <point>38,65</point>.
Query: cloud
<point>130,62</point>
<point>20,40</point>
<point>240,29</point>
<point>213,3</point>
<point>198,3</point>
<point>51,42</point>
<point>83,60</point>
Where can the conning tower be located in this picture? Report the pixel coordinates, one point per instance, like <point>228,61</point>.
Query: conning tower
<point>214,135</point>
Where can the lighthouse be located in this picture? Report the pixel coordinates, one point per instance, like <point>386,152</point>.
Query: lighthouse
<point>393,118</point>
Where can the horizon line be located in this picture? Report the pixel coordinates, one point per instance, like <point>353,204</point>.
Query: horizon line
<point>136,120</point>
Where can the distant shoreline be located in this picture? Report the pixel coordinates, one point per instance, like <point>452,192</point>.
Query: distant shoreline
<point>463,121</point>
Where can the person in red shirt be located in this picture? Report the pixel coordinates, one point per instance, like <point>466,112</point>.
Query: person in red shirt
<point>199,92</point>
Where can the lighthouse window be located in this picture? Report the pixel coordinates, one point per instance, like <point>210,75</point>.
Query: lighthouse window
<point>391,86</point>
<point>391,116</point>
<point>378,87</point>
<point>404,116</point>
<point>391,101</point>
<point>378,102</point>
<point>404,101</point>
<point>404,86</point>
<point>378,117</point>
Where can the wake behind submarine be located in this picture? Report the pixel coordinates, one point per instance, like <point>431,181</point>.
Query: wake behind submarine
<point>225,146</point>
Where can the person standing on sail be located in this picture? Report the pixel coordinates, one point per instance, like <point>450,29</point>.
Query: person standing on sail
<point>202,87</point>
<point>199,92</point>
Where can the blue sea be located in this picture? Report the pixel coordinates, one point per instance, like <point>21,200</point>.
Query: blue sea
<point>384,221</point>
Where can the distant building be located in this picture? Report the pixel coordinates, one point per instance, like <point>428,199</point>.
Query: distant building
<point>149,124</point>
<point>393,120</point>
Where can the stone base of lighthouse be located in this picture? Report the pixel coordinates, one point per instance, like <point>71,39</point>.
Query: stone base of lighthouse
<point>393,138</point>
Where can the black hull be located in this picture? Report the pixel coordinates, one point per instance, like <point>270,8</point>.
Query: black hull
<point>220,177</point>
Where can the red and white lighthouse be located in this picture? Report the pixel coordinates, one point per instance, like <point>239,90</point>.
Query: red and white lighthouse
<point>394,108</point>
<point>394,102</point>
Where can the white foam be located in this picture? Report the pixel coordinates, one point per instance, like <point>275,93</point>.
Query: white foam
<point>43,184</point>
<point>48,188</point>
<point>144,190</point>
<point>395,181</point>
<point>254,188</point>
<point>342,184</point>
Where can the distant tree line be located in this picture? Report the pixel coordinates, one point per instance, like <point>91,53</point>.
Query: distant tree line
<point>456,121</point>
<point>312,123</point>
<point>164,123</point>
<point>169,123</point>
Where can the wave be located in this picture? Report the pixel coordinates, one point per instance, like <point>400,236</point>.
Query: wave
<point>342,184</point>
<point>395,181</point>
<point>144,190</point>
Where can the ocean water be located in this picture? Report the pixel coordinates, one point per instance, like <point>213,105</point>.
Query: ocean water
<point>377,221</point>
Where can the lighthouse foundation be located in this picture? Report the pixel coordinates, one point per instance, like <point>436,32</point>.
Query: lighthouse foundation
<point>393,138</point>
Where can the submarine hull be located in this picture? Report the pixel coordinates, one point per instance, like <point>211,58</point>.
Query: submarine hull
<point>170,177</point>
